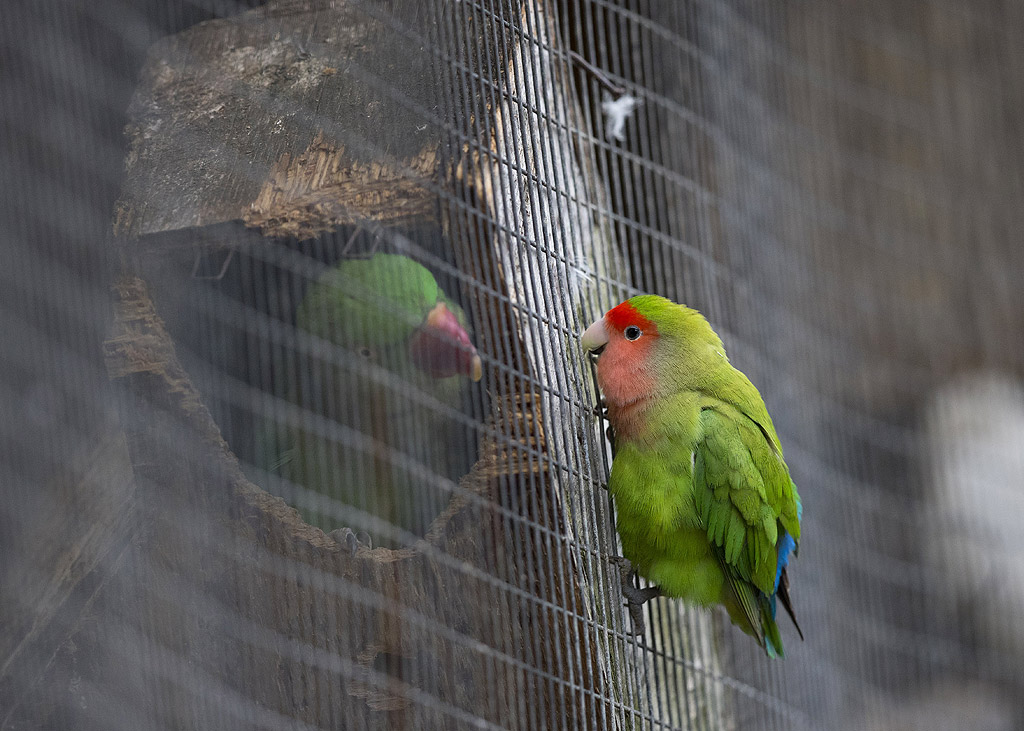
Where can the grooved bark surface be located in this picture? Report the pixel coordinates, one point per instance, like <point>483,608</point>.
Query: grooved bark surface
<point>278,117</point>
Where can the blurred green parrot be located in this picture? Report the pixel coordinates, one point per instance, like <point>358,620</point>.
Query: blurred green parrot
<point>389,374</point>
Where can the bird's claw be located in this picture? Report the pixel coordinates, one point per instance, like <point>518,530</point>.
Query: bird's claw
<point>347,537</point>
<point>635,597</point>
<point>636,614</point>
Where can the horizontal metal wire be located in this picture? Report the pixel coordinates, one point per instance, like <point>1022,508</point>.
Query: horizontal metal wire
<point>825,183</point>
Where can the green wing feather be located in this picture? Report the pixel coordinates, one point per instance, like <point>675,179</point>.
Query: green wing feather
<point>743,494</point>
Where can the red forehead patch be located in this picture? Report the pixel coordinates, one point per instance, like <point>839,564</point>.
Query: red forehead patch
<point>622,316</point>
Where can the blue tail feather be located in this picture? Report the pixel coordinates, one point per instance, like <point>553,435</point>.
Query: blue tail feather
<point>786,546</point>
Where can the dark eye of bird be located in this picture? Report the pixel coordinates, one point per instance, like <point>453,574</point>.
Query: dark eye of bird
<point>632,332</point>
<point>365,352</point>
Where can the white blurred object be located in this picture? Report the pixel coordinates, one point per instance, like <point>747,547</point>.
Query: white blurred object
<point>975,439</point>
<point>948,706</point>
<point>617,112</point>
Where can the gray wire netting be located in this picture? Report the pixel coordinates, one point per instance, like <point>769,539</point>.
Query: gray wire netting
<point>232,499</point>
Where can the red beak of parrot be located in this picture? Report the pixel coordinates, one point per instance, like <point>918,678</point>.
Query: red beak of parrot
<point>595,337</point>
<point>441,347</point>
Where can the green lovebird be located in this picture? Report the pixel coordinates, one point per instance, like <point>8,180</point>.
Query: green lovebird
<point>390,377</point>
<point>705,506</point>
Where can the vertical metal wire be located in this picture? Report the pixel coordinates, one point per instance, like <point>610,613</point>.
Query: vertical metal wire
<point>835,186</point>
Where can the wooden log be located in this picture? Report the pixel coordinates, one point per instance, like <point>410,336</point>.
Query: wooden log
<point>233,582</point>
<point>296,119</point>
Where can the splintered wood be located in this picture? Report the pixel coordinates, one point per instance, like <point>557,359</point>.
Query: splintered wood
<point>323,188</point>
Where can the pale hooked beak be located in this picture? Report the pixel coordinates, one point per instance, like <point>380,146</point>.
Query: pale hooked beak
<point>595,337</point>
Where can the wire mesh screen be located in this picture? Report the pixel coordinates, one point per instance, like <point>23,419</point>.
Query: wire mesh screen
<point>300,431</point>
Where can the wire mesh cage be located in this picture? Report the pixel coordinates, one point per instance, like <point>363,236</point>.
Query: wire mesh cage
<point>301,431</point>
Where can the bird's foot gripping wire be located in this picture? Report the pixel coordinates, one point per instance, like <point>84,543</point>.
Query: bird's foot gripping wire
<point>635,596</point>
<point>601,412</point>
<point>346,537</point>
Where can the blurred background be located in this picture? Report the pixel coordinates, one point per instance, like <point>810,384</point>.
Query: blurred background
<point>298,432</point>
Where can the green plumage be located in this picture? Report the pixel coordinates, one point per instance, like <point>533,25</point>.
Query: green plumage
<point>381,435</point>
<point>376,302</point>
<point>703,496</point>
